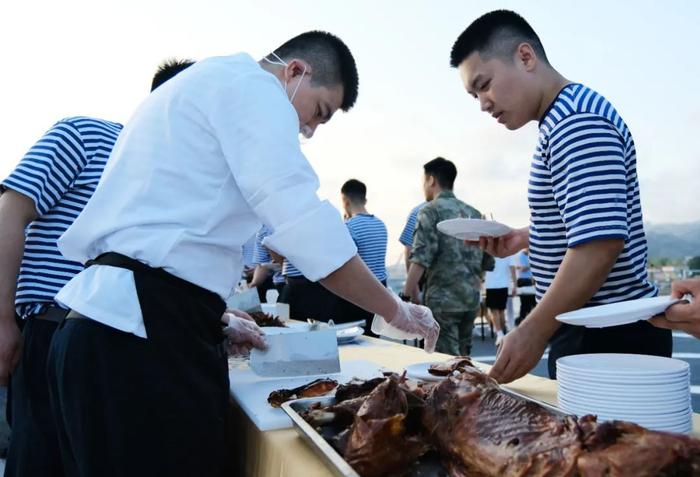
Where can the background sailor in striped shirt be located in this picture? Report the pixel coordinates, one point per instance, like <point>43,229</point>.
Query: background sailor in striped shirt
<point>406,237</point>
<point>247,251</point>
<point>42,197</point>
<point>370,236</point>
<point>586,238</point>
<point>268,273</point>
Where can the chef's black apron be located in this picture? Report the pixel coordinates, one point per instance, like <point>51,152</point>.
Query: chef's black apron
<point>636,338</point>
<point>129,406</point>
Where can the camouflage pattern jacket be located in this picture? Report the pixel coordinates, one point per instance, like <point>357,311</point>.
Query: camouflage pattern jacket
<point>454,271</point>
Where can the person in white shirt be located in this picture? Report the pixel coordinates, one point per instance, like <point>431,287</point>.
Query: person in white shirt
<point>525,284</point>
<point>496,283</point>
<point>137,369</point>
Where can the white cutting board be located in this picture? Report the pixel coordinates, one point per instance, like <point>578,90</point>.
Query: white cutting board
<point>251,391</point>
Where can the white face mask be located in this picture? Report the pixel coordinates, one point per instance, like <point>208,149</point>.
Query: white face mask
<point>304,129</point>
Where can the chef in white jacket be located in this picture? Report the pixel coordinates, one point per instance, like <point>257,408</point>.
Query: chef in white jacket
<point>137,371</point>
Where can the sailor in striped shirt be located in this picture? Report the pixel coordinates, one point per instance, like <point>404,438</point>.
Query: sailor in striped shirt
<point>267,273</point>
<point>370,236</point>
<point>40,199</point>
<point>367,230</point>
<point>406,238</point>
<point>247,251</point>
<point>586,238</point>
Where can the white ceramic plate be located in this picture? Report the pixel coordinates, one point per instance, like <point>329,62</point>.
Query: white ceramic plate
<point>658,402</point>
<point>420,371</point>
<point>472,229</point>
<point>634,414</point>
<point>626,378</point>
<point>676,418</point>
<point>348,335</point>
<point>628,397</point>
<point>616,314</point>
<point>622,382</point>
<point>652,415</point>
<point>656,411</point>
<point>619,364</point>
<point>621,387</point>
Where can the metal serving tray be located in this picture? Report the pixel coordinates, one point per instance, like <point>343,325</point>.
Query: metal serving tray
<point>427,466</point>
<point>294,409</point>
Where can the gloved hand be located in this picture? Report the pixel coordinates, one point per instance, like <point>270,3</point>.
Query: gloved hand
<point>242,333</point>
<point>409,322</point>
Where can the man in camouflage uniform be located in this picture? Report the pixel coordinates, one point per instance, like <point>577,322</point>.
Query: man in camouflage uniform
<point>453,269</point>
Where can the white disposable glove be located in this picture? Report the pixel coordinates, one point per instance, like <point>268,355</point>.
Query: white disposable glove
<point>408,323</point>
<point>242,334</point>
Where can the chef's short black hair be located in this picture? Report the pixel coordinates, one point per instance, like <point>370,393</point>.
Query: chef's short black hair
<point>355,190</point>
<point>330,58</point>
<point>443,171</point>
<point>169,68</point>
<point>496,34</point>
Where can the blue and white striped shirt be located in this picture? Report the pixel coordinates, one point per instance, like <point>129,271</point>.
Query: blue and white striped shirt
<point>406,237</point>
<point>262,255</point>
<point>370,236</point>
<point>583,187</point>
<point>289,270</point>
<point>59,173</point>
<point>247,251</point>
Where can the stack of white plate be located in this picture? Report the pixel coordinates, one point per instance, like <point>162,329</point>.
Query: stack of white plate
<point>651,391</point>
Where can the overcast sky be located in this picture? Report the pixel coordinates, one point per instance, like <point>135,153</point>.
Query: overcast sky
<point>96,58</point>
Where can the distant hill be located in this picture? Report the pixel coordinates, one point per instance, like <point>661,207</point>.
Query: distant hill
<point>673,241</point>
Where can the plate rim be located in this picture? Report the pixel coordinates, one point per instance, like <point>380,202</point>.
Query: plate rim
<point>473,234</point>
<point>621,317</point>
<point>563,362</point>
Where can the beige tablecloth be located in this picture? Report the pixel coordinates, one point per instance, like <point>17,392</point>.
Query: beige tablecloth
<point>283,453</point>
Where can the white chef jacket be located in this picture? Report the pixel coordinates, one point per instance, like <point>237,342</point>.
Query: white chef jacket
<point>204,160</point>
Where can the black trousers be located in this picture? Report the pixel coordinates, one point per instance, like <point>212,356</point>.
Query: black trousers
<point>264,287</point>
<point>128,406</point>
<point>348,312</point>
<point>33,449</point>
<point>309,299</point>
<point>635,338</point>
<point>527,303</point>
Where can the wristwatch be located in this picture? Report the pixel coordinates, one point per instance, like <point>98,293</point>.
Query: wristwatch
<point>404,297</point>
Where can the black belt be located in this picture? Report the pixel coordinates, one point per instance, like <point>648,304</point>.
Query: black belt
<point>122,261</point>
<point>52,313</point>
<point>300,279</point>
<point>152,284</point>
